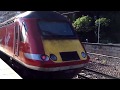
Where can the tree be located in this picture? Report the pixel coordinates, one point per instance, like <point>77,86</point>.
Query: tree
<point>85,28</point>
<point>104,22</point>
<point>112,31</point>
<point>101,25</point>
<point>83,24</point>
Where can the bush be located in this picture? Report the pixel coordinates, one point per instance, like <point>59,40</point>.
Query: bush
<point>83,24</point>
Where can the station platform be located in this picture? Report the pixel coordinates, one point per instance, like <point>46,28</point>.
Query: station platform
<point>6,72</point>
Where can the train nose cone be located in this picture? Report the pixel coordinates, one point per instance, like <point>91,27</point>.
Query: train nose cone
<point>57,47</point>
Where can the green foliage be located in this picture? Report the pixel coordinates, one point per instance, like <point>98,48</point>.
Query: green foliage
<point>104,22</point>
<point>87,25</point>
<point>104,27</point>
<point>83,24</point>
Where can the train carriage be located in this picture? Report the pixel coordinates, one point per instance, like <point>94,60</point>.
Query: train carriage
<point>42,41</point>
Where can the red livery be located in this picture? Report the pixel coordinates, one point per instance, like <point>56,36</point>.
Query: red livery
<point>42,41</point>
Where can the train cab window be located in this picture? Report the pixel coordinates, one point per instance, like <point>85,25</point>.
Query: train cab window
<point>23,33</point>
<point>56,29</point>
<point>24,24</point>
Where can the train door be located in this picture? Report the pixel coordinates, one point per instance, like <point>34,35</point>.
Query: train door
<point>16,39</point>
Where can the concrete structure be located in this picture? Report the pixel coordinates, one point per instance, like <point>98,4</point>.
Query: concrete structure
<point>6,72</point>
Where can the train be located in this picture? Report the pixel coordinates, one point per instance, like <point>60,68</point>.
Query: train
<point>42,41</point>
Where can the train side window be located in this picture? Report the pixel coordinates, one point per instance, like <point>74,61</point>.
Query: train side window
<point>10,22</point>
<point>16,33</point>
<point>21,37</point>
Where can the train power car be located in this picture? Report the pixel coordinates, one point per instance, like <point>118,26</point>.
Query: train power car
<point>42,41</point>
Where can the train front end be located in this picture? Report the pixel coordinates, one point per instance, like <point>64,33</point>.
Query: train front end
<point>63,50</point>
<point>54,44</point>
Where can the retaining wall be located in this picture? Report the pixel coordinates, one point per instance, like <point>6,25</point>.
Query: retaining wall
<point>107,49</point>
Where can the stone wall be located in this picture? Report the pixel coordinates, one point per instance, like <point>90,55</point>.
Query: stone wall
<point>105,49</point>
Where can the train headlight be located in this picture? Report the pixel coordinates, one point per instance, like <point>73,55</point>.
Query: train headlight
<point>53,57</point>
<point>44,57</point>
<point>83,54</point>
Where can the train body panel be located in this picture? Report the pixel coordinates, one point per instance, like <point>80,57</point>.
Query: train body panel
<point>40,44</point>
<point>69,45</point>
<point>7,39</point>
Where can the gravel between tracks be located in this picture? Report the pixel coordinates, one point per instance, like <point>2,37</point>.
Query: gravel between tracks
<point>109,66</point>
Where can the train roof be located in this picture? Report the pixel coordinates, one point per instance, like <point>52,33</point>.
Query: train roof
<point>52,15</point>
<point>42,15</point>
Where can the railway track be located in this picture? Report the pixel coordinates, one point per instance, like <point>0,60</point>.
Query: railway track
<point>98,75</point>
<point>109,65</point>
<point>88,73</point>
<point>105,75</point>
<point>104,59</point>
<point>82,77</point>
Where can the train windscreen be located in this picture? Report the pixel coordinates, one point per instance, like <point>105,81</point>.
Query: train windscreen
<point>62,29</point>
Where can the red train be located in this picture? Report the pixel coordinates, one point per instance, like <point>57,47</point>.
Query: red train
<point>42,41</point>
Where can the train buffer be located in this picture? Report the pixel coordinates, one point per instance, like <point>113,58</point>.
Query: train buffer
<point>6,72</point>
